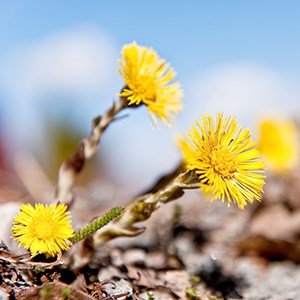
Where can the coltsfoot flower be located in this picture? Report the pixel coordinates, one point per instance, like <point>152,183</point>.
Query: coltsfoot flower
<point>148,81</point>
<point>225,160</point>
<point>43,228</point>
<point>279,145</point>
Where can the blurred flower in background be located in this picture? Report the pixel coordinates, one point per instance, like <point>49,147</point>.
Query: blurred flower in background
<point>278,142</point>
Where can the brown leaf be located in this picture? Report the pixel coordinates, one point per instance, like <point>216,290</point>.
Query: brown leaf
<point>276,222</point>
<point>53,290</point>
<point>270,249</point>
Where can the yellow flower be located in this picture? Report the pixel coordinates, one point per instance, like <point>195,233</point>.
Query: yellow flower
<point>148,81</point>
<point>278,144</point>
<point>43,229</point>
<point>223,157</point>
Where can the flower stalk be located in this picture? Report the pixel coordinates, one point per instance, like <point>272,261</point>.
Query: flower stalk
<point>90,229</point>
<point>141,208</point>
<point>86,149</point>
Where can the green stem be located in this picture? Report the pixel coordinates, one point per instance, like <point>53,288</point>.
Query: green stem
<point>96,225</point>
<point>141,209</point>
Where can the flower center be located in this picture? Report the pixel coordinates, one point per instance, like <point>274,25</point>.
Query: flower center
<point>44,229</point>
<point>222,162</point>
<point>147,87</point>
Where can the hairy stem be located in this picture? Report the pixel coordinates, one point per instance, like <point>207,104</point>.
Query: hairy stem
<point>96,225</point>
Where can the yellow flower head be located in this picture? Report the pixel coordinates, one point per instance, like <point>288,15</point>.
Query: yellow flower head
<point>223,157</point>
<point>147,78</point>
<point>278,143</point>
<point>43,229</point>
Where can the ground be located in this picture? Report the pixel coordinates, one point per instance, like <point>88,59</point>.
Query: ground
<point>190,249</point>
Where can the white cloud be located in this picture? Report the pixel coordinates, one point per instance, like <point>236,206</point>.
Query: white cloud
<point>245,91</point>
<point>80,60</point>
<point>63,67</point>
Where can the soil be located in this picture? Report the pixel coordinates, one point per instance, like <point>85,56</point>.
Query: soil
<point>191,249</point>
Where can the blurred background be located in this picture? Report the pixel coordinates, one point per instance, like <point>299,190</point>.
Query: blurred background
<point>58,70</point>
<point>59,64</point>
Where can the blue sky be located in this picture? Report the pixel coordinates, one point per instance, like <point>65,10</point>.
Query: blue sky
<point>240,57</point>
<point>193,34</point>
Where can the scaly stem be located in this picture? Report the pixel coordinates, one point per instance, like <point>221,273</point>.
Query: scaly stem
<point>87,148</point>
<point>141,208</point>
